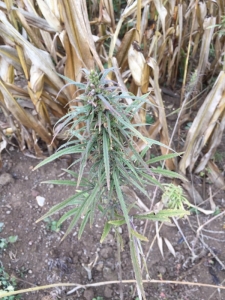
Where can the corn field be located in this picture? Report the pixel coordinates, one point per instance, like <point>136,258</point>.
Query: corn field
<point>152,44</point>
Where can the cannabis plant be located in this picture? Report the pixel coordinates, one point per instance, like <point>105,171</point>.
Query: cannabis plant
<point>7,284</point>
<point>99,127</point>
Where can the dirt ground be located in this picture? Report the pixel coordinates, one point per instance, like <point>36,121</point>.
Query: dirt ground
<point>39,258</point>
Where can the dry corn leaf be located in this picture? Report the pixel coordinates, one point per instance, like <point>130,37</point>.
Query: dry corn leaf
<point>215,175</point>
<point>136,63</point>
<point>29,31</point>
<point>164,135</point>
<point>78,29</point>
<point>31,17</point>
<point>204,211</point>
<point>23,117</point>
<point>158,207</point>
<point>159,239</point>
<point>208,27</point>
<point>38,57</point>
<point>133,197</point>
<point>35,21</point>
<point>109,10</point>
<point>73,64</point>
<point>122,53</point>
<point>162,13</point>
<point>6,71</point>
<point>213,135</point>
<point>144,21</point>
<point>50,17</point>
<point>194,195</point>
<point>24,139</point>
<point>196,135</point>
<point>170,246</point>
<point>36,81</point>
<point>11,56</point>
<point>211,201</point>
<point>129,9</point>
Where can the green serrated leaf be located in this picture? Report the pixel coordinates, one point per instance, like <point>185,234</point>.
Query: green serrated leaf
<point>82,210</point>
<point>78,84</point>
<point>12,238</point>
<point>83,224</point>
<point>167,173</point>
<point>106,157</point>
<point>121,200</point>
<point>139,236</point>
<point>163,157</point>
<point>136,266</point>
<point>70,150</point>
<point>163,215</point>
<point>117,222</point>
<point>67,215</point>
<point>61,182</point>
<point>105,232</point>
<point>10,288</point>
<point>69,201</point>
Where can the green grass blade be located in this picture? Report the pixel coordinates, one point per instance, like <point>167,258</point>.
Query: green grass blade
<point>61,182</point>
<point>69,201</point>
<point>132,181</point>
<point>117,222</point>
<point>78,84</point>
<point>84,157</point>
<point>163,215</point>
<point>121,199</point>
<point>106,157</point>
<point>105,73</point>
<point>70,150</point>
<point>109,128</point>
<point>154,181</point>
<point>139,236</point>
<point>133,169</point>
<point>136,266</point>
<point>75,175</point>
<point>83,224</point>
<point>83,209</point>
<point>67,215</point>
<point>167,173</point>
<point>163,157</point>
<point>108,106</point>
<point>105,232</point>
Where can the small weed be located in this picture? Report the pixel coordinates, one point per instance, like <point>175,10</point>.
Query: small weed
<point>219,157</point>
<point>173,197</point>
<point>98,298</point>
<point>52,225</point>
<point>7,284</point>
<point>204,172</point>
<point>21,272</point>
<point>188,125</point>
<point>10,240</point>
<point>217,211</point>
<point>1,226</point>
<point>150,119</point>
<point>194,210</point>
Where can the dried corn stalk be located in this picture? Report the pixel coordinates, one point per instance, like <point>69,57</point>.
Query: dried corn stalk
<point>206,131</point>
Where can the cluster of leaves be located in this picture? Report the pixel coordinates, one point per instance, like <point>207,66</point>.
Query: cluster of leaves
<point>52,225</point>
<point>5,241</point>
<point>7,284</point>
<point>101,131</point>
